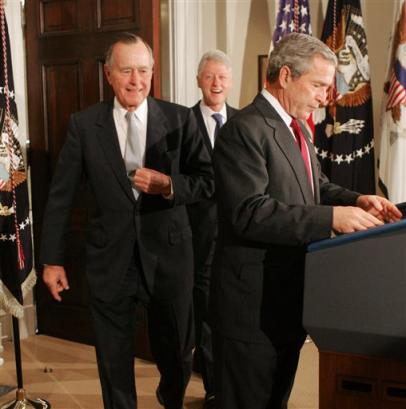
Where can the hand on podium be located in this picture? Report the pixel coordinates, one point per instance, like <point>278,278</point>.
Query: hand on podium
<point>348,219</point>
<point>379,207</point>
<point>371,211</point>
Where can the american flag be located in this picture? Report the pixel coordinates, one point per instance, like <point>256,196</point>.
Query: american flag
<point>344,130</point>
<point>397,91</point>
<point>392,170</point>
<point>292,16</point>
<point>16,274</point>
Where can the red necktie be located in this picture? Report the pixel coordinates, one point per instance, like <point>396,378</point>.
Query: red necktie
<point>300,139</point>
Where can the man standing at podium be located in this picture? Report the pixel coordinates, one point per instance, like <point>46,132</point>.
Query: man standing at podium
<point>272,201</point>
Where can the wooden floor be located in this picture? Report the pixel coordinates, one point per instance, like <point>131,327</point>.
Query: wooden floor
<point>64,373</point>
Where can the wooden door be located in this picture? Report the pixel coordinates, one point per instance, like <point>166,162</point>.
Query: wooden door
<point>66,41</point>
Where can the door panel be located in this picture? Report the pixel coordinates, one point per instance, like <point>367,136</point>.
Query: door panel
<point>66,41</point>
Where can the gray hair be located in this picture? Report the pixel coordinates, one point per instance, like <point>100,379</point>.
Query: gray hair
<point>297,51</point>
<point>214,55</point>
<point>127,38</point>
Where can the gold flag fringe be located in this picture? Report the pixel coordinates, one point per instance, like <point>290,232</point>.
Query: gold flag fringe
<point>7,300</point>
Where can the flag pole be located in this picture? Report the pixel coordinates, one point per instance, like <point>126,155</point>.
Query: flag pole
<point>21,401</point>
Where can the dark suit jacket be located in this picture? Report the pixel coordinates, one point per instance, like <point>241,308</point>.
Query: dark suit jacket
<point>203,214</point>
<point>267,214</point>
<point>159,227</point>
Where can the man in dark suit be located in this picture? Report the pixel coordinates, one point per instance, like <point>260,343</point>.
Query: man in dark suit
<point>214,78</point>
<point>272,201</point>
<point>143,161</point>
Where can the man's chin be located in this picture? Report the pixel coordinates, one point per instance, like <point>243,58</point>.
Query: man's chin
<point>307,115</point>
<point>217,100</point>
<point>302,117</point>
<point>135,102</point>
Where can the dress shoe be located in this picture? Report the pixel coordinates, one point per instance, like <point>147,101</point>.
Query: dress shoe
<point>209,402</point>
<point>196,364</point>
<point>160,398</point>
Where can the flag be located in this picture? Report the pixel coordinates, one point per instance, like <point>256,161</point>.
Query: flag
<point>392,161</point>
<point>344,129</point>
<point>16,274</point>
<point>293,16</point>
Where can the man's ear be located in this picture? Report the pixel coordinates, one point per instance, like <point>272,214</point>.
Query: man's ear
<point>285,76</point>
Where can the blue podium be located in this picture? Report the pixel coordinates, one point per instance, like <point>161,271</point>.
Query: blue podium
<point>355,312</point>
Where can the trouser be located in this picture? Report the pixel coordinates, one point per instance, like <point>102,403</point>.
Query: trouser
<point>203,354</point>
<point>171,338</point>
<point>249,375</point>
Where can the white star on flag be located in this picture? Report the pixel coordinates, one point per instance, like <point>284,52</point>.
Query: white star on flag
<point>339,159</point>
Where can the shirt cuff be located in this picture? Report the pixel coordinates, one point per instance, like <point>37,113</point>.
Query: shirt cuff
<point>170,196</point>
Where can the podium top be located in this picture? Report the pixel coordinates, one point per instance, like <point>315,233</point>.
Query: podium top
<point>358,235</point>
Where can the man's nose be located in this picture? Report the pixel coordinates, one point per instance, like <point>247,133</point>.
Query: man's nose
<point>322,96</point>
<point>135,75</point>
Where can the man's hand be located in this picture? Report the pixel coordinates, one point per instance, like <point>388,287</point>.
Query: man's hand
<point>152,182</point>
<point>2,183</point>
<point>55,279</point>
<point>379,207</point>
<point>347,219</point>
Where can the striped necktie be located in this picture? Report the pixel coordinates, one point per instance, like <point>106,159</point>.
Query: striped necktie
<point>219,123</point>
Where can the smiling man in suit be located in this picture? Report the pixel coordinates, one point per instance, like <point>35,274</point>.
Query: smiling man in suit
<point>214,78</point>
<point>272,201</point>
<point>143,161</point>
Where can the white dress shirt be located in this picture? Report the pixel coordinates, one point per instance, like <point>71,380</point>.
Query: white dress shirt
<point>209,121</point>
<point>141,115</point>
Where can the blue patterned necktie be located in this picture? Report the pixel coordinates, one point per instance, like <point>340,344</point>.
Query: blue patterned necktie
<point>132,152</point>
<point>219,123</point>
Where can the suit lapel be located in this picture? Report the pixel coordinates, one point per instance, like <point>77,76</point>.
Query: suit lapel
<point>286,142</point>
<point>108,139</point>
<point>230,111</point>
<point>315,168</point>
<point>202,127</point>
<point>156,132</point>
